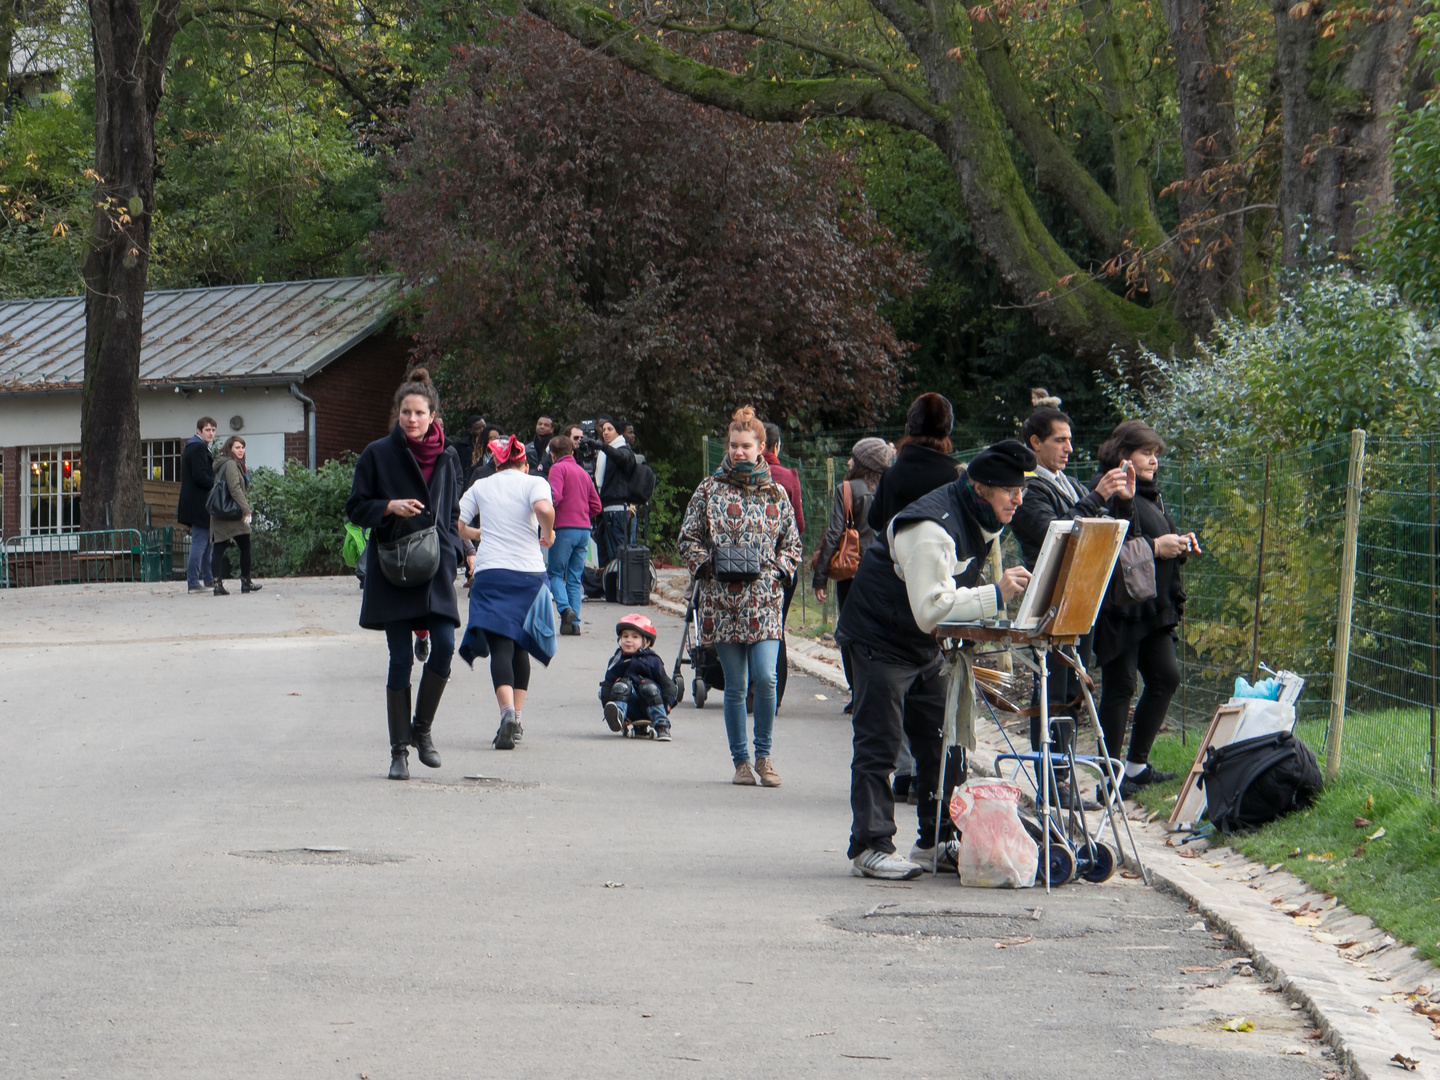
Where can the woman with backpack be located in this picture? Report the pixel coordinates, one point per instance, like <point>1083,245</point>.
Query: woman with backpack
<point>231,472</point>
<point>407,492</point>
<point>850,510</point>
<point>1141,637</point>
<point>741,545</point>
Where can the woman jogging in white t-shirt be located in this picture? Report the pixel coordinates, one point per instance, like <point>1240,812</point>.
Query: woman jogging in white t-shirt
<point>512,617</point>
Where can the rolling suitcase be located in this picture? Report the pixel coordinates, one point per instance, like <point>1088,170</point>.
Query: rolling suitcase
<point>636,576</point>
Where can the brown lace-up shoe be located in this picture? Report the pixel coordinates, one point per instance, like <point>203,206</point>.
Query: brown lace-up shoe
<point>743,775</point>
<point>766,768</point>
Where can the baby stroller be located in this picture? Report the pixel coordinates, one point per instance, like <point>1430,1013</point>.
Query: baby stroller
<point>703,661</point>
<point>707,674</point>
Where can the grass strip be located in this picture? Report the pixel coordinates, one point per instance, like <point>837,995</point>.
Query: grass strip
<point>1338,846</point>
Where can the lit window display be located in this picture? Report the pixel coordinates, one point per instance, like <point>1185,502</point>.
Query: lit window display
<point>52,495</point>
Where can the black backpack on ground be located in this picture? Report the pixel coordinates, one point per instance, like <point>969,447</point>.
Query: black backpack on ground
<point>1251,783</point>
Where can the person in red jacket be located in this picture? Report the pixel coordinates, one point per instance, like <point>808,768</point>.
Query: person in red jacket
<point>577,504</point>
<point>788,479</point>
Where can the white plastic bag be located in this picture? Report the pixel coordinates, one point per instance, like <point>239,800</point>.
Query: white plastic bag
<point>995,849</point>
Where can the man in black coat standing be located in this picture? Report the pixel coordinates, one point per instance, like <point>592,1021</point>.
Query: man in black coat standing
<point>197,477</point>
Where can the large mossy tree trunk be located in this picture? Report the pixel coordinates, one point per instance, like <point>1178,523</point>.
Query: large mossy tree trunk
<point>130,62</point>
<point>1341,73</point>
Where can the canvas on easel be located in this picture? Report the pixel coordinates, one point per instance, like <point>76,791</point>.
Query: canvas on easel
<point>1071,575</point>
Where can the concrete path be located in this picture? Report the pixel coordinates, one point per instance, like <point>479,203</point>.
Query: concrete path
<point>176,767</point>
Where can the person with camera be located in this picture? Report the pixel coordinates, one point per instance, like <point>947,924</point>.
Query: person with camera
<point>614,464</point>
<point>741,545</point>
<point>924,570</point>
<point>407,491</point>
<point>1050,495</point>
<point>1140,637</point>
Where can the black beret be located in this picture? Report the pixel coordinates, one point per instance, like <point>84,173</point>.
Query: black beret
<point>1002,465</point>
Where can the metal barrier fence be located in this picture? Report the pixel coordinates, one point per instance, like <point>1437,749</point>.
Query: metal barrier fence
<point>86,557</point>
<point>1321,560</point>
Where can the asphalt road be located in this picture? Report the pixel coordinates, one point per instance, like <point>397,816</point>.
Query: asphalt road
<point>597,907</point>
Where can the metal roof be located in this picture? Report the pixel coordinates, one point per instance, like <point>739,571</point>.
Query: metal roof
<point>268,333</point>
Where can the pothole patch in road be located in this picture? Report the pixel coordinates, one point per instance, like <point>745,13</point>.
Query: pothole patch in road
<point>475,783</point>
<point>320,856</point>
<point>948,922</point>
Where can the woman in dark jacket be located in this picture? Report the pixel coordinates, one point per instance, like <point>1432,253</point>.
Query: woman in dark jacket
<point>923,463</point>
<point>869,458</point>
<point>405,482</point>
<point>1141,637</point>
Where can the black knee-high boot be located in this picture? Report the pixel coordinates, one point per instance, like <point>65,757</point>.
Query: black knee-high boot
<point>427,700</point>
<point>397,708</point>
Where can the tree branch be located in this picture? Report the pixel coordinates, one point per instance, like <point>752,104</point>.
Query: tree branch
<point>792,100</point>
<point>1056,170</point>
<point>819,48</point>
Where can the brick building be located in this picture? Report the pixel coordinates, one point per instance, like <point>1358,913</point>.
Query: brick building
<point>303,369</point>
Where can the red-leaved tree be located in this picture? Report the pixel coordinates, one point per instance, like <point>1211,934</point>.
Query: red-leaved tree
<point>578,237</point>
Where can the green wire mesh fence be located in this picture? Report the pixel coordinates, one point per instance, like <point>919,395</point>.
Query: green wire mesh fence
<point>1268,590</point>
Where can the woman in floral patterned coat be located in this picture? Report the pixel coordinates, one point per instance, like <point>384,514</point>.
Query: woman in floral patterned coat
<point>741,505</point>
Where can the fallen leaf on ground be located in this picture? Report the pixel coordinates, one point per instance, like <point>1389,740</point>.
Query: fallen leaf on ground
<point>1296,1051</point>
<point>1130,874</point>
<point>1005,943</point>
<point>1189,854</point>
<point>817,1034</point>
<point>1424,1008</point>
<point>1294,853</point>
<point>1409,1064</point>
<point>1361,822</point>
<point>1307,920</point>
<point>1346,944</point>
<point>1371,1009</point>
<point>1238,1024</point>
<point>864,1057</point>
<point>1274,866</point>
<point>1377,833</point>
<point>614,884</point>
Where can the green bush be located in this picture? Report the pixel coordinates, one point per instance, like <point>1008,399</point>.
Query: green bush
<point>299,522</point>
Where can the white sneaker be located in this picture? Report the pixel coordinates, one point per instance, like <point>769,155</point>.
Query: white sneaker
<point>884,864</point>
<point>949,854</point>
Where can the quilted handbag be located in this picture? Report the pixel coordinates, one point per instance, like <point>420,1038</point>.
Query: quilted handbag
<point>737,562</point>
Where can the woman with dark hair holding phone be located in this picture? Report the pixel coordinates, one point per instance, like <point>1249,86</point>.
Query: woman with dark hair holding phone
<point>404,484</point>
<point>1141,637</point>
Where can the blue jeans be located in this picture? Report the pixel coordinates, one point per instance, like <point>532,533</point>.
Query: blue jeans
<point>566,562</point>
<point>746,665</point>
<point>636,704</point>
<point>197,566</point>
<point>400,637</point>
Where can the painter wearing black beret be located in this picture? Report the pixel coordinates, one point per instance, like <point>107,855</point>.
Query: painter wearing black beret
<point>923,570</point>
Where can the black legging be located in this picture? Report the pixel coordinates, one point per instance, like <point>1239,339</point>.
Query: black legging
<point>218,557</point>
<point>509,663</point>
<point>842,590</point>
<point>1154,657</point>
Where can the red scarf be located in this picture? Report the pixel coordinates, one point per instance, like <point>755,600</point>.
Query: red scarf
<point>428,450</point>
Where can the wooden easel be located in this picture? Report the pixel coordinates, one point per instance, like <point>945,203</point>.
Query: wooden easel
<point>1073,571</point>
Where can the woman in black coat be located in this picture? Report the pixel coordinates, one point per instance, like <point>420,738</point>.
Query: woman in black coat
<point>923,462</point>
<point>1141,637</point>
<point>404,483</point>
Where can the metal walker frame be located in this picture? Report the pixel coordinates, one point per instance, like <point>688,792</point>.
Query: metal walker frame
<point>959,639</point>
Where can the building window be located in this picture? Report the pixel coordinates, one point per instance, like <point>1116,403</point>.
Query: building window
<point>52,490</point>
<point>162,459</point>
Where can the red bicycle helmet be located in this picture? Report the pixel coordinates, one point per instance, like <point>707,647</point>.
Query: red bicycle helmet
<point>641,624</point>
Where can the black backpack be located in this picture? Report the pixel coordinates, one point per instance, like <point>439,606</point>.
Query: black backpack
<point>642,483</point>
<point>1252,782</point>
